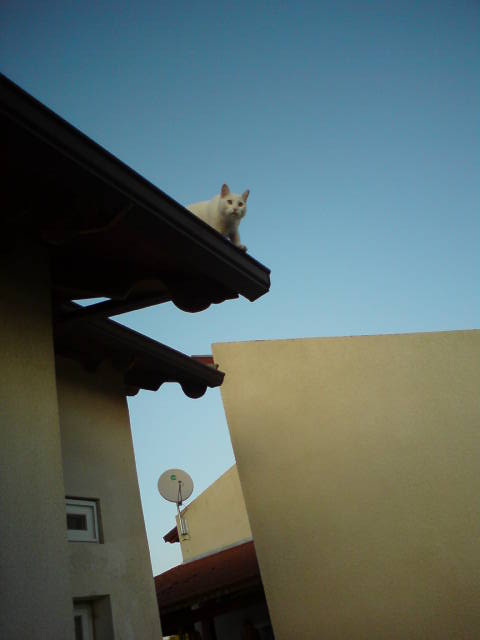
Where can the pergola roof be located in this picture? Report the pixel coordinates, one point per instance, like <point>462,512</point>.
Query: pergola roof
<point>143,362</point>
<point>109,232</point>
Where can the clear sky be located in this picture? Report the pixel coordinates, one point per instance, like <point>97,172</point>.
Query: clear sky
<point>353,124</point>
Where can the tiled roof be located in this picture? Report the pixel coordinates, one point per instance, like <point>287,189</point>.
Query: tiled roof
<point>231,568</point>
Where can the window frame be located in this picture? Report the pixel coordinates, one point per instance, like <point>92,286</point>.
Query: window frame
<point>89,509</point>
<point>84,611</point>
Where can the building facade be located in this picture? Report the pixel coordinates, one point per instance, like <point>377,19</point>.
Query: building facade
<point>216,519</point>
<point>358,460</point>
<point>217,592</point>
<point>79,224</point>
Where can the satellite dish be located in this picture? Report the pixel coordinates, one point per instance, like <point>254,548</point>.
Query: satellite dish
<point>175,485</point>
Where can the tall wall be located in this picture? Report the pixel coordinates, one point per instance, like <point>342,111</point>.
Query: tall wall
<point>217,518</point>
<point>99,464</point>
<point>34,572</point>
<point>359,463</point>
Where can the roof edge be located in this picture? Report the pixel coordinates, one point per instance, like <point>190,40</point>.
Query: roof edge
<point>44,123</point>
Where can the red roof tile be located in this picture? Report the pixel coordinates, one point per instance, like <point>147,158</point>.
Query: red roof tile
<point>194,580</point>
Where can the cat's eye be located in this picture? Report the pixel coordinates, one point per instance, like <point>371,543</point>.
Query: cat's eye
<point>229,202</point>
<point>240,204</point>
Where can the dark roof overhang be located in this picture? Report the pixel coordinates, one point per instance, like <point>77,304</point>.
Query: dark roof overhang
<point>172,536</point>
<point>143,362</point>
<point>110,233</point>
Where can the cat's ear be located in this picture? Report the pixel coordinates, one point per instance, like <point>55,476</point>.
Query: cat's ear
<point>245,195</point>
<point>225,190</point>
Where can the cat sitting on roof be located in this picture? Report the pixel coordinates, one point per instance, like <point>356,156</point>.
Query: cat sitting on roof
<point>223,213</point>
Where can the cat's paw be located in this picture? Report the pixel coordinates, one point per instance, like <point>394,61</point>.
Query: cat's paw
<point>242,247</point>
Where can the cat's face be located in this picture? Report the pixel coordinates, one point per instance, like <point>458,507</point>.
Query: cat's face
<point>233,205</point>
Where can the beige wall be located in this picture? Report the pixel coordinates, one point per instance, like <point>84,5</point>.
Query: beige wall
<point>359,462</point>
<point>40,571</point>
<point>99,463</point>
<point>35,597</point>
<point>217,518</point>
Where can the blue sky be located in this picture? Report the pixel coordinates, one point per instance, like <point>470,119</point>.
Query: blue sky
<point>355,126</point>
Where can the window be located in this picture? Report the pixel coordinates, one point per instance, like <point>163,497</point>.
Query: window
<point>92,618</point>
<point>83,620</point>
<point>82,520</point>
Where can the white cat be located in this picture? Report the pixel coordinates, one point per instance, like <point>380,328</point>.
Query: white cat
<point>223,213</point>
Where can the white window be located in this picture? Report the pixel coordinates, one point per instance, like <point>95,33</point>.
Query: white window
<point>82,520</point>
<point>83,621</point>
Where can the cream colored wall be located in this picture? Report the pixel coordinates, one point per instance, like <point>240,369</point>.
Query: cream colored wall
<point>217,518</point>
<point>359,463</point>
<point>35,597</point>
<point>99,463</point>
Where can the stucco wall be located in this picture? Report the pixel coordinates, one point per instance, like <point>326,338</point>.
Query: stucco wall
<point>217,518</point>
<point>99,463</point>
<point>359,463</point>
<point>35,597</point>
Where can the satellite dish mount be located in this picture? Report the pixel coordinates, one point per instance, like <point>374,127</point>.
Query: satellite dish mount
<point>176,486</point>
